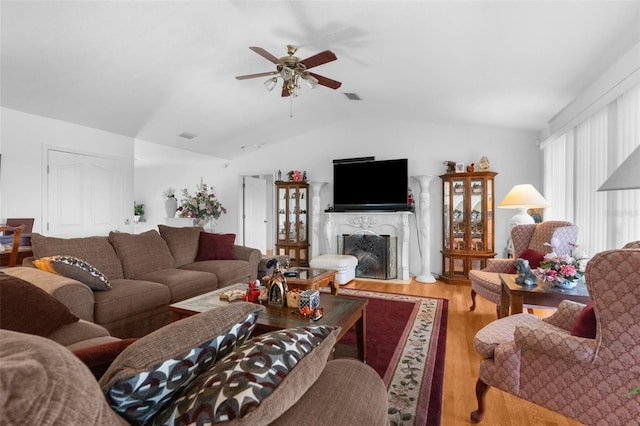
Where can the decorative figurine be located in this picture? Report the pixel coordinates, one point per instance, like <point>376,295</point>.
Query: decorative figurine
<point>484,164</point>
<point>279,174</point>
<point>525,276</point>
<point>471,167</point>
<point>277,292</point>
<point>451,166</point>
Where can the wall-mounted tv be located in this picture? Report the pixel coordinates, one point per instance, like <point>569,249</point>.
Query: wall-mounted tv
<point>370,185</point>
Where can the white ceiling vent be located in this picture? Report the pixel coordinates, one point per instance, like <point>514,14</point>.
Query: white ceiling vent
<point>187,135</point>
<point>353,96</point>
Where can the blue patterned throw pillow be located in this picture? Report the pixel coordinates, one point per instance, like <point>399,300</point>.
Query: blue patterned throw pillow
<point>237,386</point>
<point>139,396</point>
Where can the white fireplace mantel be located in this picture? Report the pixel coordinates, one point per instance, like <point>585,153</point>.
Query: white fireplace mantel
<point>387,223</point>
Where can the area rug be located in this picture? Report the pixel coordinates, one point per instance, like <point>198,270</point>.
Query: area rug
<point>406,342</point>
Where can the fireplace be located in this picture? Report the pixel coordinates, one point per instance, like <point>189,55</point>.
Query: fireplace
<point>394,225</point>
<point>376,254</point>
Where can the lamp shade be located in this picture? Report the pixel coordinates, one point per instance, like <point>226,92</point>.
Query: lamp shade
<point>523,196</point>
<point>626,176</point>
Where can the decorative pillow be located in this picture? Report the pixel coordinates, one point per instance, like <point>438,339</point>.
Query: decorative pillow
<point>29,309</point>
<point>245,385</point>
<point>141,253</point>
<point>147,374</point>
<point>182,242</point>
<point>216,247</point>
<point>585,325</point>
<point>72,267</point>
<point>98,251</point>
<point>99,357</point>
<point>534,258</point>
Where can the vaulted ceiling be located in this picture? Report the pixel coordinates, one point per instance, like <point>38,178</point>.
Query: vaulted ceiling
<point>156,69</point>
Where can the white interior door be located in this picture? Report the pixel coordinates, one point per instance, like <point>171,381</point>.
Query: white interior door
<point>255,212</point>
<point>83,194</point>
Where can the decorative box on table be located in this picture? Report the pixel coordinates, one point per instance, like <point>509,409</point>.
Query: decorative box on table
<point>310,298</point>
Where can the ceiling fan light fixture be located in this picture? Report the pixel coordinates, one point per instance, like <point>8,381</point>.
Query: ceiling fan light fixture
<point>311,81</point>
<point>271,83</point>
<point>286,73</point>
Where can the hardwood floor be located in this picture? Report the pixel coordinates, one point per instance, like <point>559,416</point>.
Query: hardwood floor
<point>462,361</point>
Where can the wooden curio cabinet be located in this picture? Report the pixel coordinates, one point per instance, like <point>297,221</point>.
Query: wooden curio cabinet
<point>292,228</point>
<point>468,224</point>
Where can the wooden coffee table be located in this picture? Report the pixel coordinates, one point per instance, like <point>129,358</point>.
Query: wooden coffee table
<point>341,311</point>
<point>313,278</point>
<point>515,295</point>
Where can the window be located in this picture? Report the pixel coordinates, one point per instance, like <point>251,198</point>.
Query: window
<point>579,161</point>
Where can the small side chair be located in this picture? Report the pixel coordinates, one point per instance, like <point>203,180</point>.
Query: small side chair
<point>486,282</point>
<point>17,235</point>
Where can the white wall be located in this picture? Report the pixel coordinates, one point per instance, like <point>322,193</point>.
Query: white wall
<point>513,154</point>
<point>25,138</point>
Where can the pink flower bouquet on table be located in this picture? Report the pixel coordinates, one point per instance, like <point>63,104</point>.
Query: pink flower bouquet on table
<point>562,270</point>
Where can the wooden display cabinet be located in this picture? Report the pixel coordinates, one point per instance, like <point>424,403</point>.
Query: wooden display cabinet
<point>292,225</point>
<point>468,224</point>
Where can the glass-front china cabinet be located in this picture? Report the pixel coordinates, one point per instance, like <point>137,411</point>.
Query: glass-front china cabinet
<point>468,223</point>
<point>292,228</point>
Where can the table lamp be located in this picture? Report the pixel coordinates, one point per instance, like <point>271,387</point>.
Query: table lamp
<point>626,176</point>
<point>521,197</point>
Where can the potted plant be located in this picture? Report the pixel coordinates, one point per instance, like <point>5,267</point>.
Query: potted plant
<point>138,211</point>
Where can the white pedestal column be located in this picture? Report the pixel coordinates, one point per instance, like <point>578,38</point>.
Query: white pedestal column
<point>424,225</point>
<point>315,218</point>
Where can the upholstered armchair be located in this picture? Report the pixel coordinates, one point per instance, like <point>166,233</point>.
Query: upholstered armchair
<point>486,282</point>
<point>546,362</point>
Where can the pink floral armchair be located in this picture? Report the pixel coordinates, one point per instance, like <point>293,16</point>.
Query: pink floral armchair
<point>589,380</point>
<point>486,282</point>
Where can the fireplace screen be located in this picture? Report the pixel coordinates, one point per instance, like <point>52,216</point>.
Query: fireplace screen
<point>376,254</point>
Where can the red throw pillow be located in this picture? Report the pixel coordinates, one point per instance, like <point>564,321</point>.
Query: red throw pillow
<point>585,325</point>
<point>216,247</point>
<point>29,309</point>
<point>532,256</point>
<point>98,358</point>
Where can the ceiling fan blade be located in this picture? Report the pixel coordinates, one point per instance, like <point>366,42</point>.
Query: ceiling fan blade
<point>319,59</point>
<point>285,90</point>
<point>262,74</point>
<point>324,81</point>
<point>260,51</point>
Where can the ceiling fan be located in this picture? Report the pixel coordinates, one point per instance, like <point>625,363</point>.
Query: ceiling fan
<point>291,69</point>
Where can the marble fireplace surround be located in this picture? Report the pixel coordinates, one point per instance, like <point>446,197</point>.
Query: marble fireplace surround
<point>383,223</point>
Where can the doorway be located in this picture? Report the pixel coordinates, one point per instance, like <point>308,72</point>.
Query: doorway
<point>256,207</point>
<point>84,194</point>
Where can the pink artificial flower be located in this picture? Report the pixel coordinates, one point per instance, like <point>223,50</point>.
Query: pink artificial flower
<point>568,270</point>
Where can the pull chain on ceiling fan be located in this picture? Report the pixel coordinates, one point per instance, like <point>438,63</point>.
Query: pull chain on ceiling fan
<point>291,69</point>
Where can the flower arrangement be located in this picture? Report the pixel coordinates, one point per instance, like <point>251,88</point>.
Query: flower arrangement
<point>169,193</point>
<point>564,270</point>
<point>202,205</point>
<point>297,176</point>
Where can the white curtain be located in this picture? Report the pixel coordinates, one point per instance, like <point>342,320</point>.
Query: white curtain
<point>579,161</point>
<point>591,171</point>
<point>624,206</point>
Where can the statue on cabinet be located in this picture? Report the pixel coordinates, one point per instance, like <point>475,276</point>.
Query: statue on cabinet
<point>484,165</point>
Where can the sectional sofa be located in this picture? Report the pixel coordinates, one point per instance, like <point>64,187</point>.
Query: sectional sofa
<point>146,273</point>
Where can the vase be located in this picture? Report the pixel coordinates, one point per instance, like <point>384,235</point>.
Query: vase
<point>171,206</point>
<point>201,221</point>
<point>562,283</point>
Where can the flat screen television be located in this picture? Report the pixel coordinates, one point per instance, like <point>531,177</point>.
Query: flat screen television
<point>370,185</point>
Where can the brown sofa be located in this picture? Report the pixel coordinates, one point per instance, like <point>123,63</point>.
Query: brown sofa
<point>196,370</point>
<point>147,272</point>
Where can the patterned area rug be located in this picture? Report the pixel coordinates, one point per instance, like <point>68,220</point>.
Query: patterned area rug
<point>406,342</point>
